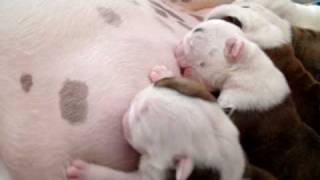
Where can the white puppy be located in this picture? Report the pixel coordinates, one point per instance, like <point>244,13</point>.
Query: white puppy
<point>172,130</point>
<point>241,70</point>
<point>175,124</point>
<point>301,15</point>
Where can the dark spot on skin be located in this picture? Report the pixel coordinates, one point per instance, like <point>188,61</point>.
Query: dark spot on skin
<point>184,25</point>
<point>245,6</point>
<point>109,16</point>
<point>26,82</point>
<point>73,101</point>
<point>171,13</point>
<point>165,24</point>
<point>161,13</point>
<point>186,1</point>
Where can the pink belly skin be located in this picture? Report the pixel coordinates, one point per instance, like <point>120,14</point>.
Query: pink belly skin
<point>68,72</point>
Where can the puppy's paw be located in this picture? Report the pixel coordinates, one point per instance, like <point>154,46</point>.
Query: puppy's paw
<point>160,72</point>
<point>77,170</point>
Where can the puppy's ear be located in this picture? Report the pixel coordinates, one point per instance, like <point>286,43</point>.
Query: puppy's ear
<point>234,49</point>
<point>184,168</point>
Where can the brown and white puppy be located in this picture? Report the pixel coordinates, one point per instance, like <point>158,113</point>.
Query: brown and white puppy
<point>193,89</point>
<point>271,131</point>
<point>305,42</point>
<point>273,35</point>
<point>301,15</point>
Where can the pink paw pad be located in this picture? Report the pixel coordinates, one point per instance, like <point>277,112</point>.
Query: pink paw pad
<point>76,169</point>
<point>159,72</point>
<point>234,49</point>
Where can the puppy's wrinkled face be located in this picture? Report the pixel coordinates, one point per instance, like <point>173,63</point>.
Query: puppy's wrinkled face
<point>203,49</point>
<point>258,23</point>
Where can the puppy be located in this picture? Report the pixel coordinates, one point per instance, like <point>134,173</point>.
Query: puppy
<point>305,41</point>
<point>300,15</point>
<point>256,27</point>
<point>271,131</point>
<point>194,89</point>
<point>176,124</point>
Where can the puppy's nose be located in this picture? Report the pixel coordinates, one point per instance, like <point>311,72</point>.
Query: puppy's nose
<point>198,30</point>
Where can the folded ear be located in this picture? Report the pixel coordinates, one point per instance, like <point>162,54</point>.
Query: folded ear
<point>184,168</point>
<point>233,49</point>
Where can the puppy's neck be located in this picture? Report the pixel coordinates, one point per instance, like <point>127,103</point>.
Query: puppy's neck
<point>259,86</point>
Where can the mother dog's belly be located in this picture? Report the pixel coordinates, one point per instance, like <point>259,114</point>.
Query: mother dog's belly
<point>68,72</point>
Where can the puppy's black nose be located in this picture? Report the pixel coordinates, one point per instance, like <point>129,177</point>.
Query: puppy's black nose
<point>198,30</point>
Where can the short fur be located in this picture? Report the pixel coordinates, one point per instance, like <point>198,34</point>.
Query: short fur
<point>168,127</point>
<point>305,16</point>
<point>306,44</point>
<point>306,97</point>
<point>306,90</point>
<point>272,133</point>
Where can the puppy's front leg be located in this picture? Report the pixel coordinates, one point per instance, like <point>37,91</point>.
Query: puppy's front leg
<point>163,77</point>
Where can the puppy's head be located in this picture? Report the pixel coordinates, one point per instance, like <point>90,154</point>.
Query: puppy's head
<point>258,23</point>
<point>213,49</point>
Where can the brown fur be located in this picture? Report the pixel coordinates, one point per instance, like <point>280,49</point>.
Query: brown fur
<point>306,45</point>
<point>195,89</point>
<point>277,141</point>
<point>305,89</point>
<point>187,87</point>
<point>255,173</point>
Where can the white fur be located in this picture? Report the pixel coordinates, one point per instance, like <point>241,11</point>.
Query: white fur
<point>260,25</point>
<point>250,83</point>
<point>165,124</point>
<point>301,15</point>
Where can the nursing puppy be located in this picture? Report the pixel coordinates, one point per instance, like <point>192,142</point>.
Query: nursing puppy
<point>271,131</point>
<point>175,131</point>
<point>176,125</point>
<point>273,36</point>
<point>301,15</point>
